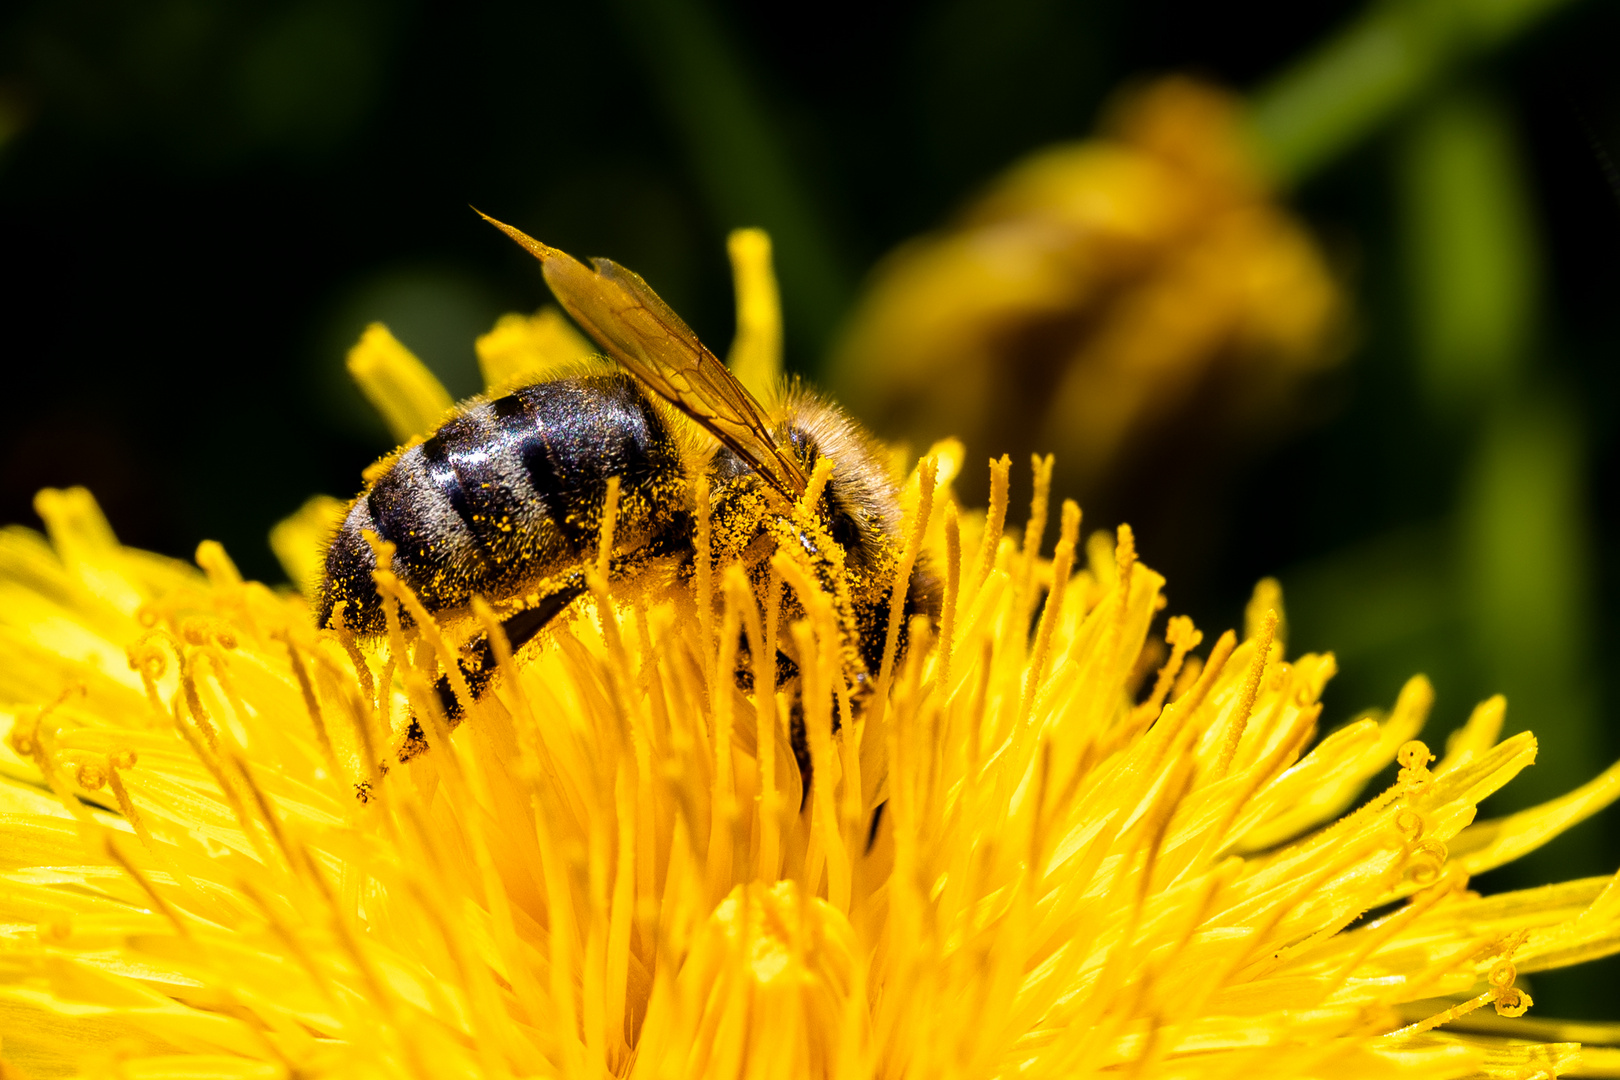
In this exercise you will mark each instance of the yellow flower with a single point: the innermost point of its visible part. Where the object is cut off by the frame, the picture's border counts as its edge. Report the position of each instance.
(1030, 855)
(1084, 301)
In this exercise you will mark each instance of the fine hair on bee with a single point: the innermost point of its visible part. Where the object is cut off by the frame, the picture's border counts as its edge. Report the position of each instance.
(505, 500)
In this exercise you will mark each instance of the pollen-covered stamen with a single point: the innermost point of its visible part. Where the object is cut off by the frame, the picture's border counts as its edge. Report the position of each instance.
(597, 582)
(168, 911)
(335, 681)
(723, 810)
(1509, 1000)
(338, 626)
(918, 518)
(1251, 690)
(501, 648)
(34, 739)
(120, 762)
(200, 734)
(1178, 717)
(195, 711)
(818, 643)
(1182, 637)
(201, 630)
(1414, 776)
(1035, 528)
(816, 487)
(1425, 858)
(1062, 562)
(1124, 565)
(953, 585)
(312, 705)
(703, 565)
(995, 520)
(147, 659)
(90, 775)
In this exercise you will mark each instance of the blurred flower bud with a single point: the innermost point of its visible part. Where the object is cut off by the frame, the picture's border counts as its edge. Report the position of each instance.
(1100, 295)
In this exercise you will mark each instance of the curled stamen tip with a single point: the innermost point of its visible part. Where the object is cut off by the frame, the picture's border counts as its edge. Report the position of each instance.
(1427, 862)
(1513, 1002)
(144, 655)
(1409, 822)
(1414, 755)
(1181, 631)
(200, 631)
(1423, 873)
(91, 777)
(21, 739)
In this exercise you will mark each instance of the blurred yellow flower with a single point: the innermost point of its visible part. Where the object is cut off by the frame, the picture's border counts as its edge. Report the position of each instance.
(1098, 294)
(1032, 855)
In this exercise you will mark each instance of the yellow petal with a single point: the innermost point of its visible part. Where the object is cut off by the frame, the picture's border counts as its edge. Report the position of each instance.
(410, 398)
(1489, 844)
(524, 349)
(756, 351)
(300, 540)
(1337, 792)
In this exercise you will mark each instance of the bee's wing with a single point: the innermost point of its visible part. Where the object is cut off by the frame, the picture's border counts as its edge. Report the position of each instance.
(640, 331)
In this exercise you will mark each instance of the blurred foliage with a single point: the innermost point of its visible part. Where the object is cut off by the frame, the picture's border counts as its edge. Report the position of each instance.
(204, 203)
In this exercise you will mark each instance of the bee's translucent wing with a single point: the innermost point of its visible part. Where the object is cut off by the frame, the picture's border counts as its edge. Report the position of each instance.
(640, 331)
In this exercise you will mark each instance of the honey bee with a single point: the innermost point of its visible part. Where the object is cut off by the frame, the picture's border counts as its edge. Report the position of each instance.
(505, 500)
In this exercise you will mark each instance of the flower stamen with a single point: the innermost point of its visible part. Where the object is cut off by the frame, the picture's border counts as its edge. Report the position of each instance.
(1251, 689)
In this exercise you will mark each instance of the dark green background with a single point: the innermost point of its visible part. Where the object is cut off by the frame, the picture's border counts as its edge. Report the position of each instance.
(201, 204)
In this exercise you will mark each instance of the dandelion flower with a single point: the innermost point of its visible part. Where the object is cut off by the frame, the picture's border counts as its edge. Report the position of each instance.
(1093, 292)
(1046, 848)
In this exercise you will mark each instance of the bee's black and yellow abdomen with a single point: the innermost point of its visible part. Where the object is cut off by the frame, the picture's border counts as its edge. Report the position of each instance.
(507, 493)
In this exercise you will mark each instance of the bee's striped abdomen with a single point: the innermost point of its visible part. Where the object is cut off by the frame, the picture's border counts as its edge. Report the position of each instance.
(509, 492)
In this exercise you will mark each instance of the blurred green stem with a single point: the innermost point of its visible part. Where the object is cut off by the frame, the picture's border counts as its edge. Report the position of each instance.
(1522, 539)
(1472, 268)
(1379, 64)
(1526, 574)
(741, 163)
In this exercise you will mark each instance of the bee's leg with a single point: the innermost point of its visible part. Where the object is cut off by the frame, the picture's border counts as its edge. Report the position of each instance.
(480, 666)
(798, 737)
(877, 821)
(801, 753)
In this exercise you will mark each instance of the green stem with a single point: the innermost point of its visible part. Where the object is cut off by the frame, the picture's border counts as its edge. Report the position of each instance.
(1388, 57)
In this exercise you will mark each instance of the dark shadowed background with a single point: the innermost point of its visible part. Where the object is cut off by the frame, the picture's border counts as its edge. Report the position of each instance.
(202, 203)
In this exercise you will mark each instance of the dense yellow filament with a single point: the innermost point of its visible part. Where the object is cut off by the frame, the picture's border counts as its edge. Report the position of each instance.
(604, 870)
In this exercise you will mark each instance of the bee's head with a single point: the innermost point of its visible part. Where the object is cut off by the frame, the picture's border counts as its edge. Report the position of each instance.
(860, 506)
(860, 509)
